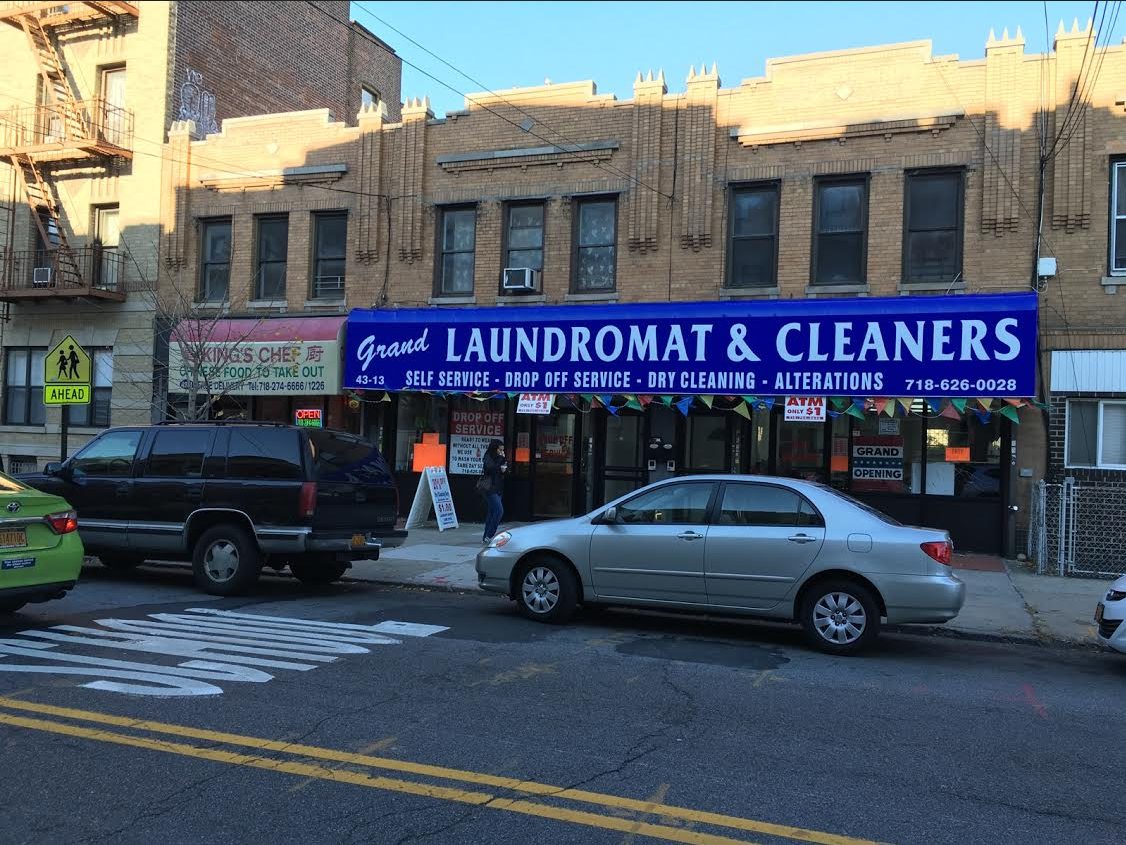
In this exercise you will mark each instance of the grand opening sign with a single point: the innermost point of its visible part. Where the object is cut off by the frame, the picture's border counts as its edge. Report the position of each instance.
(969, 345)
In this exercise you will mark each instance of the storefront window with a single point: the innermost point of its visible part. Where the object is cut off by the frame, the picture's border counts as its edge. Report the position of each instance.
(838, 460)
(760, 442)
(707, 443)
(886, 454)
(964, 457)
(418, 414)
(801, 450)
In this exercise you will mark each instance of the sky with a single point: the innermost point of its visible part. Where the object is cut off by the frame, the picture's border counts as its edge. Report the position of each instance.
(511, 44)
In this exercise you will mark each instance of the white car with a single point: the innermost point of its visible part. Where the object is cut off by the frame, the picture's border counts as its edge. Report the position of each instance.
(1110, 614)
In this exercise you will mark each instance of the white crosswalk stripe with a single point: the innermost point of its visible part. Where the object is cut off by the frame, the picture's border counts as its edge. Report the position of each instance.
(220, 646)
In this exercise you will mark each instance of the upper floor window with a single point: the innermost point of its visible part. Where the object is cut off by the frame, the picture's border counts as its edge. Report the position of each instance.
(270, 256)
(369, 98)
(932, 240)
(840, 231)
(596, 245)
(330, 245)
(23, 386)
(752, 254)
(457, 246)
(107, 238)
(1118, 217)
(215, 261)
(523, 236)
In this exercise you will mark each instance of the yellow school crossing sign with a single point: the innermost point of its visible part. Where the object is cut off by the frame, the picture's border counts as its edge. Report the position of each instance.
(67, 376)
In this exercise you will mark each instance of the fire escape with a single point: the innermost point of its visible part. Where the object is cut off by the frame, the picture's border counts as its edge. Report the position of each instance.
(59, 132)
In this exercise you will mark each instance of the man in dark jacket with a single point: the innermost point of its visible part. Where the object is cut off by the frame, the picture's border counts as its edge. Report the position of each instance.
(491, 486)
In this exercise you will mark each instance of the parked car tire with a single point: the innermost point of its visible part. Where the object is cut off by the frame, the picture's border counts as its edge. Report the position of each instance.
(121, 563)
(840, 616)
(10, 605)
(315, 573)
(226, 560)
(547, 590)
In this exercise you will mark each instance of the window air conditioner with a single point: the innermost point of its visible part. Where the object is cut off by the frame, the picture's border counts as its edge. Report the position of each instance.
(41, 277)
(520, 278)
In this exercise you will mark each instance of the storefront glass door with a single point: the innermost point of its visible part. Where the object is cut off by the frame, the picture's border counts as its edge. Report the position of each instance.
(553, 483)
(621, 459)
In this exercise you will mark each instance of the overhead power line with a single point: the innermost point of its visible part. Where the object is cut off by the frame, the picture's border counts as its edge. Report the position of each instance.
(522, 127)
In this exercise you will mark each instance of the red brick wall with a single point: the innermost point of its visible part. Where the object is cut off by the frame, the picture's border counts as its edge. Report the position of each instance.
(258, 58)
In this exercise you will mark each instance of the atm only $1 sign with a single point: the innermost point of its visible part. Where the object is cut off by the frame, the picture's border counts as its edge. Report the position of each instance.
(805, 409)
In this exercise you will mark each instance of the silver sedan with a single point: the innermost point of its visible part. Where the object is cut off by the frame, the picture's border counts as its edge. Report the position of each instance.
(749, 545)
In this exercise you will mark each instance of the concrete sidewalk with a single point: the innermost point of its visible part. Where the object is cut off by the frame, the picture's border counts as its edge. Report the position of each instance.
(1005, 600)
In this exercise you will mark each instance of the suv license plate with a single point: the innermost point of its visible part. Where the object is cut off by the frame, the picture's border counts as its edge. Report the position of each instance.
(359, 540)
(18, 563)
(12, 537)
(1099, 613)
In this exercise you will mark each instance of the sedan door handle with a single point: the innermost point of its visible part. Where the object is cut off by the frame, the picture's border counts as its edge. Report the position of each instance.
(690, 535)
(802, 538)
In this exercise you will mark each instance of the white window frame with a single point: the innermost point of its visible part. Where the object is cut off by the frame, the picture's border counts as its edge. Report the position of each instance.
(1102, 403)
(1115, 216)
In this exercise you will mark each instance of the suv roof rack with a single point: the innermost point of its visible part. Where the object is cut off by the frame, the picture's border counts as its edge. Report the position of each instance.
(223, 422)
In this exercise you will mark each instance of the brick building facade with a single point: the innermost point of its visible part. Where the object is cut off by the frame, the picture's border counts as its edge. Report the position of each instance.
(86, 110)
(869, 173)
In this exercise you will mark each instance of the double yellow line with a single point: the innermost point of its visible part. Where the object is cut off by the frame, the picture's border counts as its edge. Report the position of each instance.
(555, 802)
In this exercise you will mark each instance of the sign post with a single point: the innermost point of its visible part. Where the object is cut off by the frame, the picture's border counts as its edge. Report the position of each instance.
(67, 378)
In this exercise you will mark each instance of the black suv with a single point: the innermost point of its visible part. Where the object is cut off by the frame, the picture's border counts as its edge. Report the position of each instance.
(230, 497)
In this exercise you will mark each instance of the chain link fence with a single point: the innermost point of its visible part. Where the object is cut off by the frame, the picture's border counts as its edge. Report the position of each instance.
(1078, 529)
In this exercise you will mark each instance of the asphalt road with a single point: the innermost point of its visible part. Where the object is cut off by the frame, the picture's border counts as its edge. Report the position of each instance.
(469, 724)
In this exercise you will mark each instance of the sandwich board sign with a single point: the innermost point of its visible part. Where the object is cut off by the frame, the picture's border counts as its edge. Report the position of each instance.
(67, 374)
(433, 492)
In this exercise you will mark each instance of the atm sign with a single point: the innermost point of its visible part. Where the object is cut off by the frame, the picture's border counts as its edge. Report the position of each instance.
(309, 417)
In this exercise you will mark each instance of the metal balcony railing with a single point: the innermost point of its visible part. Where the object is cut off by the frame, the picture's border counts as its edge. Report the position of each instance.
(86, 271)
(87, 127)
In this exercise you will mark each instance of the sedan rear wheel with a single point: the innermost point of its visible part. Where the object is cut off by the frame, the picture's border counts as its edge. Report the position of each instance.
(547, 590)
(840, 617)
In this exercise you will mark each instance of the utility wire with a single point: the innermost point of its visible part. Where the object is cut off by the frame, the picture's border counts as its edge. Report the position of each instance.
(575, 153)
(363, 8)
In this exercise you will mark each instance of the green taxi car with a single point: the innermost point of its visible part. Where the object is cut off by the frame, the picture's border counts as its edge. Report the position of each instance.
(40, 551)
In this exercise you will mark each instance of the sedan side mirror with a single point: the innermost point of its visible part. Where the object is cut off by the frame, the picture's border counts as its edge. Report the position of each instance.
(608, 516)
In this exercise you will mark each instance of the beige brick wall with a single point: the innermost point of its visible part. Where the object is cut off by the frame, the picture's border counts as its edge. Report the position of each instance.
(880, 111)
(251, 57)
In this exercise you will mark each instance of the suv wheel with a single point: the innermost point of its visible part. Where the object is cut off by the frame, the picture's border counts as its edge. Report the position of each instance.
(316, 572)
(226, 560)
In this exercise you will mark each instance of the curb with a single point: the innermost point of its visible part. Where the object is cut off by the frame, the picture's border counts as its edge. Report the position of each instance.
(1003, 639)
(440, 588)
